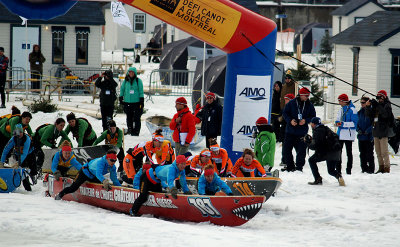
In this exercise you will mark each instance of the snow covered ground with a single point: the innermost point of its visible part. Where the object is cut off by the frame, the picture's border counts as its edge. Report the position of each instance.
(364, 213)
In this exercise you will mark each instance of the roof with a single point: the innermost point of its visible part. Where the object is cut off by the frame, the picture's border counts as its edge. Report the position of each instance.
(352, 6)
(371, 31)
(82, 13)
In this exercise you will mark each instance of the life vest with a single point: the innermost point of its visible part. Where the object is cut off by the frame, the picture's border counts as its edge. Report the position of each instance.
(8, 126)
(166, 145)
(37, 137)
(8, 116)
(128, 166)
(112, 139)
(65, 163)
(75, 130)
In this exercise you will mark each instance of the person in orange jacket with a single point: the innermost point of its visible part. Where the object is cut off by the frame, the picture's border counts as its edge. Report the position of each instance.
(183, 125)
(199, 162)
(219, 157)
(246, 165)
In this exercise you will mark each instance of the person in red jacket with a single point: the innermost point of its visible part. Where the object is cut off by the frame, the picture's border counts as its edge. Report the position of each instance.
(183, 125)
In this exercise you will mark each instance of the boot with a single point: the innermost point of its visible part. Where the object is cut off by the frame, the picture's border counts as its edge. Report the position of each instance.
(381, 169)
(386, 169)
(318, 181)
(341, 181)
(58, 197)
(26, 184)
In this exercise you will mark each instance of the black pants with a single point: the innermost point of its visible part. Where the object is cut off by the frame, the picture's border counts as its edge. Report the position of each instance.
(145, 187)
(208, 137)
(276, 126)
(106, 114)
(87, 142)
(293, 141)
(367, 161)
(79, 180)
(120, 157)
(331, 165)
(2, 88)
(36, 78)
(349, 152)
(133, 114)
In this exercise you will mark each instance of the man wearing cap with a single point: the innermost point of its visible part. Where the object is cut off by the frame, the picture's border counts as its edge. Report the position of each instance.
(183, 126)
(346, 122)
(107, 96)
(380, 112)
(64, 160)
(322, 142)
(297, 114)
(211, 118)
(264, 146)
(154, 176)
(3, 74)
(288, 97)
(23, 153)
(289, 87)
(94, 171)
(210, 183)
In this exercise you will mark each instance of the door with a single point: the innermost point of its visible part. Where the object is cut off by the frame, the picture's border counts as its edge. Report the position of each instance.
(21, 49)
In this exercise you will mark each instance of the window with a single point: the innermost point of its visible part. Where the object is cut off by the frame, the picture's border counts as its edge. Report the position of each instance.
(82, 38)
(58, 33)
(358, 19)
(395, 92)
(139, 23)
(356, 57)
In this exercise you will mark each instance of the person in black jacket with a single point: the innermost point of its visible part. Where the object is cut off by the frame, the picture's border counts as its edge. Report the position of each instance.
(211, 118)
(107, 96)
(326, 147)
(276, 110)
(153, 49)
(380, 111)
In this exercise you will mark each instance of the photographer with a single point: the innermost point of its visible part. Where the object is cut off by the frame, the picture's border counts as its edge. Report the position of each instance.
(107, 96)
(380, 111)
(327, 147)
(297, 114)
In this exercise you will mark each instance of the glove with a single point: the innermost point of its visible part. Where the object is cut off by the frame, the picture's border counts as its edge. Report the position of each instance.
(106, 185)
(121, 100)
(230, 194)
(141, 104)
(307, 139)
(57, 175)
(188, 193)
(174, 192)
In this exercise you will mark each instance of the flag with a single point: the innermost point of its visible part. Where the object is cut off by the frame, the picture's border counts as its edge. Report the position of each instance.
(23, 20)
(119, 14)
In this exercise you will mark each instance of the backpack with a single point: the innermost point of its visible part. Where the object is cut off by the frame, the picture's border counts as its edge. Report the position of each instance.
(332, 140)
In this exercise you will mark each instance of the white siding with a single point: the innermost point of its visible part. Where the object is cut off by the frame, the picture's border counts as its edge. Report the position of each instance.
(335, 24)
(384, 79)
(5, 38)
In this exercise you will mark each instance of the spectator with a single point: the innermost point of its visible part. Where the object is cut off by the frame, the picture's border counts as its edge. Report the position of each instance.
(153, 49)
(327, 147)
(265, 142)
(183, 126)
(107, 96)
(288, 97)
(365, 139)
(346, 122)
(381, 113)
(132, 98)
(276, 111)
(3, 76)
(297, 114)
(211, 118)
(36, 60)
(289, 87)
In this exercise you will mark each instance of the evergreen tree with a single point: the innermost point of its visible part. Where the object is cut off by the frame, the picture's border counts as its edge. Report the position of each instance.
(301, 73)
(326, 47)
(316, 96)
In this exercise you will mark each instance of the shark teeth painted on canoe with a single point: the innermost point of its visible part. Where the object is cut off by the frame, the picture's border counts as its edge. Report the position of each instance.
(247, 212)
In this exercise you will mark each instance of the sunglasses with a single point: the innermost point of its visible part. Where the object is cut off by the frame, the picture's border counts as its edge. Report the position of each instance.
(363, 102)
(113, 160)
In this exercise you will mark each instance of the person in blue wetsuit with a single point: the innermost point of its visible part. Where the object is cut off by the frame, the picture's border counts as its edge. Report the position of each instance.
(153, 179)
(20, 147)
(94, 171)
(64, 160)
(210, 183)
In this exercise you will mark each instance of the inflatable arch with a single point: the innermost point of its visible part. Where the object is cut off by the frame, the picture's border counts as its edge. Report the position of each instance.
(248, 38)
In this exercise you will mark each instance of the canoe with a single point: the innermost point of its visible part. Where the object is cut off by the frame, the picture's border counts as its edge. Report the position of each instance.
(161, 122)
(218, 210)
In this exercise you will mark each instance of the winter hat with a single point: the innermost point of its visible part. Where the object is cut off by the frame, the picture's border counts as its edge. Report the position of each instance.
(111, 156)
(304, 92)
(262, 121)
(209, 171)
(18, 129)
(214, 147)
(205, 153)
(210, 95)
(316, 120)
(158, 137)
(382, 93)
(181, 101)
(66, 149)
(288, 76)
(180, 159)
(289, 96)
(2, 49)
(343, 97)
(71, 116)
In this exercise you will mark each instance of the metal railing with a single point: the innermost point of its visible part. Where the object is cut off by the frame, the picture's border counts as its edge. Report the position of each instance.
(170, 82)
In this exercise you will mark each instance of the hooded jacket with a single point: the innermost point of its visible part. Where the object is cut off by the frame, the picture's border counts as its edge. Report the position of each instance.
(132, 88)
(186, 125)
(348, 117)
(108, 91)
(264, 147)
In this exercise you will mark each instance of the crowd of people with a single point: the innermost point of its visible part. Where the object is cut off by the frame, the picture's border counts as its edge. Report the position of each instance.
(155, 164)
